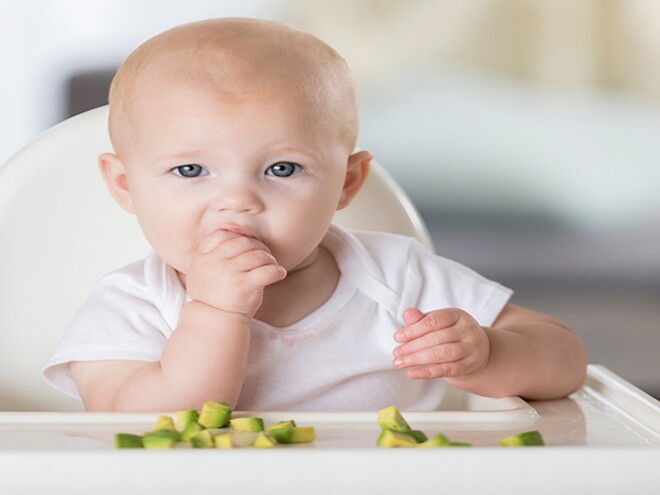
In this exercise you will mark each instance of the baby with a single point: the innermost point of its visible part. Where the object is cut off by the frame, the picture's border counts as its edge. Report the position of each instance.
(234, 145)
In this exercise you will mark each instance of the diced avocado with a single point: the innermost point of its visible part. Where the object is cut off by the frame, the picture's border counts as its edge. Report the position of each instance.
(160, 439)
(247, 424)
(190, 430)
(420, 436)
(223, 441)
(459, 444)
(303, 434)
(390, 418)
(164, 423)
(298, 434)
(438, 440)
(128, 441)
(202, 440)
(526, 439)
(263, 441)
(184, 418)
(214, 415)
(394, 438)
(289, 423)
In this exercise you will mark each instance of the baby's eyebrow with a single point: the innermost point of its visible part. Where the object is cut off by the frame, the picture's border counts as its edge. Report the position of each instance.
(291, 149)
(180, 156)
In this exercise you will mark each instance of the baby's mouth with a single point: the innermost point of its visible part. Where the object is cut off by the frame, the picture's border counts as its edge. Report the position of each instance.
(235, 229)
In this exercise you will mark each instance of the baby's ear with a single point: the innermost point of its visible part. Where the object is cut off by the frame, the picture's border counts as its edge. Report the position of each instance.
(356, 173)
(114, 175)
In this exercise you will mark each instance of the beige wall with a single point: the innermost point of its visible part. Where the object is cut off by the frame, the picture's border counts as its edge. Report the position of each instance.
(572, 43)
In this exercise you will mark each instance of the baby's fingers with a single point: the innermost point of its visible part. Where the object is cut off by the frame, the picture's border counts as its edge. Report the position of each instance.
(435, 320)
(266, 275)
(444, 370)
(441, 354)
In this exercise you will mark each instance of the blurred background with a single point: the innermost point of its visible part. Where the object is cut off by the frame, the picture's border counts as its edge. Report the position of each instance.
(526, 131)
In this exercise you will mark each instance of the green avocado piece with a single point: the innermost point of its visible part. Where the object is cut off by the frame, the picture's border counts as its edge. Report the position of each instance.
(184, 418)
(459, 444)
(390, 418)
(160, 439)
(420, 436)
(164, 423)
(297, 434)
(247, 424)
(526, 439)
(223, 441)
(289, 423)
(438, 440)
(190, 430)
(128, 441)
(214, 415)
(394, 438)
(202, 440)
(263, 441)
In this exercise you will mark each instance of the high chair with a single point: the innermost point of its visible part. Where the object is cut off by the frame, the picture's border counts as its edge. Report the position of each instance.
(60, 231)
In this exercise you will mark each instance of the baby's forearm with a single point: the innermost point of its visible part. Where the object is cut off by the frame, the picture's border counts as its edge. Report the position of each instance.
(534, 357)
(203, 360)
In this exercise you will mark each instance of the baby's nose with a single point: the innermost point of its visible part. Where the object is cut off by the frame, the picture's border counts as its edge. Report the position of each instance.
(239, 198)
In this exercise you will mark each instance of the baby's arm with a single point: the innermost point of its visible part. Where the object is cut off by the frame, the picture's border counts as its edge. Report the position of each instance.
(524, 352)
(205, 357)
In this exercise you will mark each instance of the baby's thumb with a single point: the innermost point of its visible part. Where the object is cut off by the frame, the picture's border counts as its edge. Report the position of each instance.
(412, 315)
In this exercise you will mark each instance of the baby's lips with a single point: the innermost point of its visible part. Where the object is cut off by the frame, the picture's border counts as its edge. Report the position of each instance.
(239, 231)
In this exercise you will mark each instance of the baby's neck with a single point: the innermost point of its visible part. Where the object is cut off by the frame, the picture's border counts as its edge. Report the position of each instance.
(302, 292)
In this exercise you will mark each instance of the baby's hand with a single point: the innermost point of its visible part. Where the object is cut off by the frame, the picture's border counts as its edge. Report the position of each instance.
(230, 271)
(445, 343)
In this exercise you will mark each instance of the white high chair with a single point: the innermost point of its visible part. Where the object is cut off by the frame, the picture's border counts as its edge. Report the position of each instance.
(60, 231)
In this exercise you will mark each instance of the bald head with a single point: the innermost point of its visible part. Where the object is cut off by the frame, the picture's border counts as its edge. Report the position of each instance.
(234, 58)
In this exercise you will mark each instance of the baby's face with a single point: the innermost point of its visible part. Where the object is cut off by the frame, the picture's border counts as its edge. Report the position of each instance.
(254, 163)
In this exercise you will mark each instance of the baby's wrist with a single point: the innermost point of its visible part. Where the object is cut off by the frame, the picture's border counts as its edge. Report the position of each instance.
(200, 309)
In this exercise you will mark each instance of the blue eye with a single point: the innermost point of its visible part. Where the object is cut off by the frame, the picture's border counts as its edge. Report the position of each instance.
(283, 169)
(189, 171)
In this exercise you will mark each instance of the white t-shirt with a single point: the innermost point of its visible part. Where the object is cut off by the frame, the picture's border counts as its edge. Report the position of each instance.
(337, 358)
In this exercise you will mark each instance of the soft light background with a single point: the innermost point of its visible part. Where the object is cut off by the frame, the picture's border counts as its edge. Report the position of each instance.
(526, 131)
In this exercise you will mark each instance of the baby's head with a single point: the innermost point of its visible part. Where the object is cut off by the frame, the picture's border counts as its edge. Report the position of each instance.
(236, 124)
(237, 59)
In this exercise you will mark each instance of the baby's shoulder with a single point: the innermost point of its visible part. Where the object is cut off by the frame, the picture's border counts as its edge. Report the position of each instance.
(388, 246)
(149, 275)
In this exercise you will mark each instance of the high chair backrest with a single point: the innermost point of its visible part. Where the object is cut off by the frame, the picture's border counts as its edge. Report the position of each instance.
(60, 231)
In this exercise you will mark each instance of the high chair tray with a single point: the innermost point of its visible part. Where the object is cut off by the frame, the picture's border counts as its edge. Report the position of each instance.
(607, 423)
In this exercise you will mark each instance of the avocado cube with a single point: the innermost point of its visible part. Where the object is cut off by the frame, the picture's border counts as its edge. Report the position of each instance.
(394, 438)
(223, 441)
(298, 434)
(160, 439)
(184, 418)
(390, 418)
(190, 430)
(247, 424)
(164, 423)
(128, 441)
(263, 441)
(214, 415)
(438, 440)
(526, 439)
(202, 440)
(418, 435)
(459, 444)
(283, 424)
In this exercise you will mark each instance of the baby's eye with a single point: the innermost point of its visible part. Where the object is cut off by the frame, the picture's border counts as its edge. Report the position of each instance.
(190, 170)
(283, 169)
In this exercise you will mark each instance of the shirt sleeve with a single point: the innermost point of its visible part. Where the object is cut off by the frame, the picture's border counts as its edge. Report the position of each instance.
(119, 321)
(432, 282)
